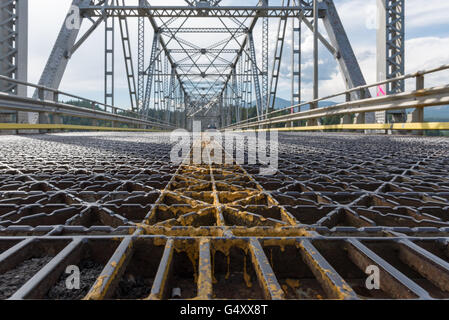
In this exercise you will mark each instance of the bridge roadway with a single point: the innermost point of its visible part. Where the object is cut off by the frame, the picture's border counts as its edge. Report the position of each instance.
(338, 204)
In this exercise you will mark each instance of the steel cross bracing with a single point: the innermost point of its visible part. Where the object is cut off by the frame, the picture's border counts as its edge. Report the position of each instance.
(143, 226)
(391, 54)
(395, 44)
(10, 43)
(141, 63)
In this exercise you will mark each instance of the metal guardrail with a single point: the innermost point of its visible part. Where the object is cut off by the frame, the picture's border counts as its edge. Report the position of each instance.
(41, 104)
(419, 98)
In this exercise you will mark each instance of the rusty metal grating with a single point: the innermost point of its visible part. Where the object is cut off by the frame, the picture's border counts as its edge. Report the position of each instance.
(138, 226)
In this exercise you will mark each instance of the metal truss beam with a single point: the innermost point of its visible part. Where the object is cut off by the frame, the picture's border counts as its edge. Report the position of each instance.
(255, 73)
(14, 55)
(141, 63)
(203, 51)
(204, 30)
(192, 12)
(265, 54)
(349, 66)
(296, 62)
(278, 52)
(204, 65)
(59, 57)
(153, 57)
(129, 65)
(14, 52)
(109, 61)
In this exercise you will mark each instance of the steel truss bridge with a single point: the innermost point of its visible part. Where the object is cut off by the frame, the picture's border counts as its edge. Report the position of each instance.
(224, 72)
(141, 227)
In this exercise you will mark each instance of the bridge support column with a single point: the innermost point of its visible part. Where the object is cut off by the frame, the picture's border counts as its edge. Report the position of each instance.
(390, 55)
(14, 54)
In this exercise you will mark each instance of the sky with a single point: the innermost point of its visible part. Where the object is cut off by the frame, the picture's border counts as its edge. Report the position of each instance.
(427, 46)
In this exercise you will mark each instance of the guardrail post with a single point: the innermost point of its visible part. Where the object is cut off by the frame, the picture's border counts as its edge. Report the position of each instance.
(57, 118)
(417, 115)
(41, 93)
(312, 122)
(346, 119)
(44, 117)
(360, 118)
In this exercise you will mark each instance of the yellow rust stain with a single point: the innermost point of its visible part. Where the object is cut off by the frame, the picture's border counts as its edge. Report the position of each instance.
(228, 267)
(293, 283)
(95, 291)
(246, 275)
(191, 249)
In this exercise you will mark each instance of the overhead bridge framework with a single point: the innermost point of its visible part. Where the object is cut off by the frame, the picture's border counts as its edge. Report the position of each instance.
(224, 71)
(223, 76)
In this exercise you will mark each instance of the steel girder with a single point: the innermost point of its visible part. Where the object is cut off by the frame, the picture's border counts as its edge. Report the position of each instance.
(109, 61)
(344, 54)
(141, 63)
(265, 52)
(13, 43)
(278, 53)
(193, 12)
(59, 57)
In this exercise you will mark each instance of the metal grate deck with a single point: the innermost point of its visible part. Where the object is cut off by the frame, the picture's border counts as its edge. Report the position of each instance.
(138, 226)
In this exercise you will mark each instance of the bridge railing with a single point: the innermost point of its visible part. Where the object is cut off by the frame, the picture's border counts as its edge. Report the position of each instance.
(417, 99)
(47, 100)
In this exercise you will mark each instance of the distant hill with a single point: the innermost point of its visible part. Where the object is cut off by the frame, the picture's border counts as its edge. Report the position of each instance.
(437, 114)
(282, 104)
(430, 114)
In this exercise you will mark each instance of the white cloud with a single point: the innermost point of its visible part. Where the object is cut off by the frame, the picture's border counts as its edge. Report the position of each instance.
(429, 13)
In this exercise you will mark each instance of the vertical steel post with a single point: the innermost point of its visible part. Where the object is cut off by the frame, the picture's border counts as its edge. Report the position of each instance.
(265, 53)
(282, 27)
(14, 53)
(315, 52)
(390, 53)
(140, 62)
(109, 61)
